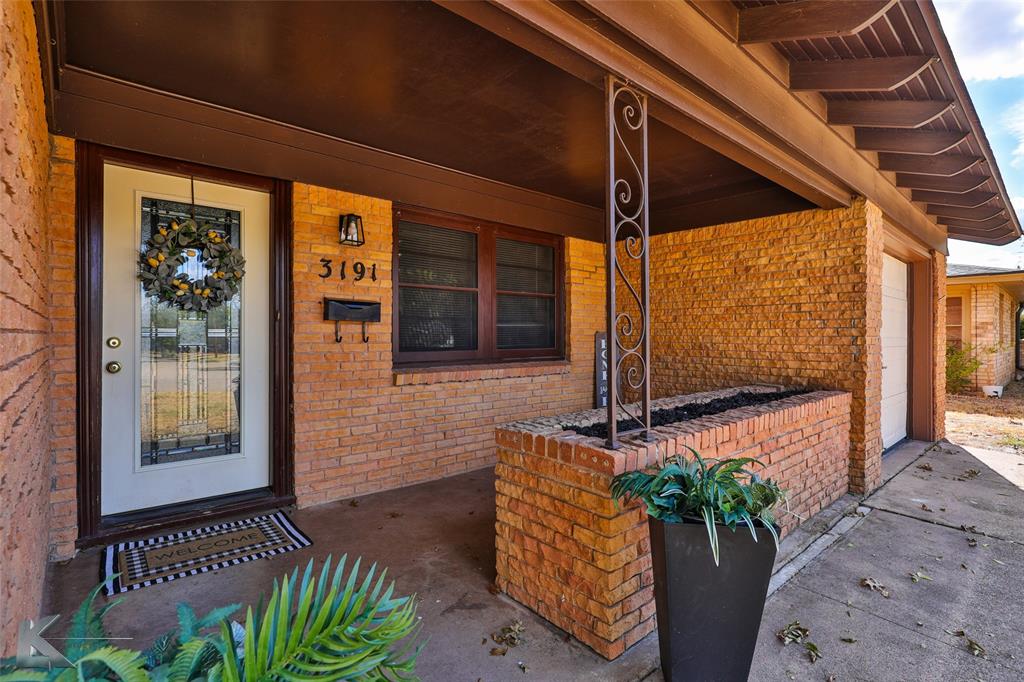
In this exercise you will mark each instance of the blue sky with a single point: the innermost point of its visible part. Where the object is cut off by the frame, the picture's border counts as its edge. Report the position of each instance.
(987, 37)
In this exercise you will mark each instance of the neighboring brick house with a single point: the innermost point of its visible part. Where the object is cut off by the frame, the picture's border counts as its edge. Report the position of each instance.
(798, 212)
(983, 311)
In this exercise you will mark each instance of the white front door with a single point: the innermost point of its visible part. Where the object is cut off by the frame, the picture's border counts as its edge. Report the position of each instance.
(187, 415)
(895, 346)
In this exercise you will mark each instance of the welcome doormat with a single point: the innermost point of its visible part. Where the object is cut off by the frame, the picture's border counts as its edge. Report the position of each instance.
(131, 565)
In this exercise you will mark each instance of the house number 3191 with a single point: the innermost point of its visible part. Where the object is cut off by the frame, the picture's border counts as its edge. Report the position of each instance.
(359, 270)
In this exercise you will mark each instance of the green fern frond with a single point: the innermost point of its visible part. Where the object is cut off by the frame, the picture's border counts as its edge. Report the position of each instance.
(331, 627)
(86, 633)
(193, 659)
(128, 665)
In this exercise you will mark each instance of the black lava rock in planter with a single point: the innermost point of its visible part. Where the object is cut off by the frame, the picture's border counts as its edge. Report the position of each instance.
(708, 615)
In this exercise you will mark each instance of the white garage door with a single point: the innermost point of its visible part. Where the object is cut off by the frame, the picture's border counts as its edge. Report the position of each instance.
(894, 351)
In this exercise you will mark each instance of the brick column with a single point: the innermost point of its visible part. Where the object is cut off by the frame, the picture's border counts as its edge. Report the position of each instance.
(866, 423)
(793, 299)
(939, 344)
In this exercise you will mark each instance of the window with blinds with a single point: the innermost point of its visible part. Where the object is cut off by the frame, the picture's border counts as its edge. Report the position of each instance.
(955, 320)
(467, 290)
(525, 276)
(437, 293)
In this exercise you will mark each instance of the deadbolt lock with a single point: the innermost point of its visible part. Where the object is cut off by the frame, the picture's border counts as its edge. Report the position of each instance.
(114, 367)
(114, 342)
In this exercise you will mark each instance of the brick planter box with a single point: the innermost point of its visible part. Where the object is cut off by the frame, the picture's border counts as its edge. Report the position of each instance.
(566, 551)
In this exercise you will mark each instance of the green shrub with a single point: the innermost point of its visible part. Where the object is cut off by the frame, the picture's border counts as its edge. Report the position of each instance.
(961, 364)
(705, 491)
(330, 627)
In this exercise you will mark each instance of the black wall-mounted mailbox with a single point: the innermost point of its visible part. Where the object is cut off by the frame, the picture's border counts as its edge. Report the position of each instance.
(337, 310)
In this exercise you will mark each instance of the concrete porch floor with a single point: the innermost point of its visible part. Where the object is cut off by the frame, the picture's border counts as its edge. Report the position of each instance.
(437, 539)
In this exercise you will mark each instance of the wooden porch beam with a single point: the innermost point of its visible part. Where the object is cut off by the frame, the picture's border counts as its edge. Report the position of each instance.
(683, 36)
(990, 224)
(1009, 237)
(95, 108)
(808, 19)
(929, 142)
(945, 165)
(966, 199)
(872, 74)
(991, 232)
(957, 184)
(980, 214)
(997, 236)
(885, 113)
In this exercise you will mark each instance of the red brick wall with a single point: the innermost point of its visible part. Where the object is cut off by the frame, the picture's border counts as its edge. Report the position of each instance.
(792, 299)
(24, 324)
(360, 426)
(63, 498)
(989, 317)
(567, 551)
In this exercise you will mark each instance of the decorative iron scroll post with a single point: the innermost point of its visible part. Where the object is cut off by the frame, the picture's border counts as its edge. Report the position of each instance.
(627, 244)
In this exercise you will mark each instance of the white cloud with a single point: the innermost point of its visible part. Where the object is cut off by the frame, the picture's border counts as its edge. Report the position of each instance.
(987, 36)
(969, 253)
(1013, 119)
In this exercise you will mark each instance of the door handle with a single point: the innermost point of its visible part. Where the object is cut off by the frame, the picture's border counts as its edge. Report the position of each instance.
(113, 367)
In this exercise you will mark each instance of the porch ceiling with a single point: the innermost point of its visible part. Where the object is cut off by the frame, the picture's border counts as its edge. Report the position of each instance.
(412, 79)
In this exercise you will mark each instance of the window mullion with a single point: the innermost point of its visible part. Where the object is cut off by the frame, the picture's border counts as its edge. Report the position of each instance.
(487, 304)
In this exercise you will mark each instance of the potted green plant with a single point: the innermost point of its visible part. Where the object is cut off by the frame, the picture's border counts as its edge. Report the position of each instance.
(711, 572)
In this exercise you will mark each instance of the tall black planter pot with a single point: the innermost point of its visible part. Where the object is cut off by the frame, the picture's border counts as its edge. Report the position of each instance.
(708, 616)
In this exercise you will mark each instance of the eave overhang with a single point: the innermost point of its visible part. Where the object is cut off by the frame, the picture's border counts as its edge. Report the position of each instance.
(827, 121)
(887, 80)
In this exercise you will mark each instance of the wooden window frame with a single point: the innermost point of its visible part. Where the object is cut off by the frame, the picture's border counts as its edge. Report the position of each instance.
(487, 233)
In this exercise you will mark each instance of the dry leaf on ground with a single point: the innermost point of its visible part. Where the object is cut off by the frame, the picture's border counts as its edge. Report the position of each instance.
(510, 635)
(875, 586)
(794, 632)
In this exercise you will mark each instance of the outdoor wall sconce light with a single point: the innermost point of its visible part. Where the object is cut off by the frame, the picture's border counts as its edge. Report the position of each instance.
(339, 311)
(350, 230)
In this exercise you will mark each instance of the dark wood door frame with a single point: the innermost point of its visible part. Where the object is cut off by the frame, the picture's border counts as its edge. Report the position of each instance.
(93, 528)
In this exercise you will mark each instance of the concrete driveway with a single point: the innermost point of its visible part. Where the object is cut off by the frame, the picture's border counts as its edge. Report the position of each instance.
(952, 518)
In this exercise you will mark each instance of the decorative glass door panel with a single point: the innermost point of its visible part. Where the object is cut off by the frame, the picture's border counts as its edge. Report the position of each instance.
(190, 360)
(185, 392)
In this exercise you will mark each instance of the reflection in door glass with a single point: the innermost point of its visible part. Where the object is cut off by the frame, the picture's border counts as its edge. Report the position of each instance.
(191, 360)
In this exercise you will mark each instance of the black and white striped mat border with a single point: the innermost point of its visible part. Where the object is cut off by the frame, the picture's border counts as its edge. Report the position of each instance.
(112, 584)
